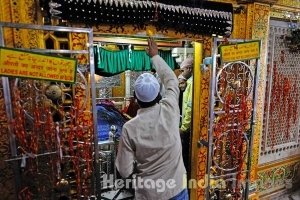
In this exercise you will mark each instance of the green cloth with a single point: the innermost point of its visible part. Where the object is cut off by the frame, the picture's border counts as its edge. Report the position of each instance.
(109, 63)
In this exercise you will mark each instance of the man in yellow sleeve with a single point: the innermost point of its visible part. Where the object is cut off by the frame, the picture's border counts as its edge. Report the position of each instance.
(186, 68)
(187, 72)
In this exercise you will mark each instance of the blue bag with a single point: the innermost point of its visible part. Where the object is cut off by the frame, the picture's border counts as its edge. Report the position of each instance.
(108, 115)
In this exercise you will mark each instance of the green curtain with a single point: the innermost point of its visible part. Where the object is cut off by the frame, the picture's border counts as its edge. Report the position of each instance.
(109, 63)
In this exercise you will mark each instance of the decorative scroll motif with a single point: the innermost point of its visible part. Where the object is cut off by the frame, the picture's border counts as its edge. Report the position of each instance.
(79, 42)
(259, 30)
(82, 127)
(261, 21)
(238, 77)
(204, 106)
(239, 30)
(207, 42)
(18, 43)
(33, 36)
(250, 21)
(140, 13)
(202, 155)
(275, 178)
(5, 8)
(24, 11)
(281, 118)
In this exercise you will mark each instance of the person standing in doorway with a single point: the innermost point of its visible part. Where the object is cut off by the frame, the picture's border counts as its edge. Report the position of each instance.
(182, 87)
(152, 139)
(186, 68)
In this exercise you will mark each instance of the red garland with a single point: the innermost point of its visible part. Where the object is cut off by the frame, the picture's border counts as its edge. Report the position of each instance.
(284, 105)
(19, 119)
(25, 194)
(235, 122)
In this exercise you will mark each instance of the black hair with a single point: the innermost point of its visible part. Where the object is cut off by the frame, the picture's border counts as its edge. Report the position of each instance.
(148, 104)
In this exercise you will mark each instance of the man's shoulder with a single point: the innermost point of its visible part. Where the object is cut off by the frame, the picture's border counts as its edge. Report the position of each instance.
(131, 123)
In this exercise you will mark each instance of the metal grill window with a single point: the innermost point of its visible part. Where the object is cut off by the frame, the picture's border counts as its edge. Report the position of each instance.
(280, 137)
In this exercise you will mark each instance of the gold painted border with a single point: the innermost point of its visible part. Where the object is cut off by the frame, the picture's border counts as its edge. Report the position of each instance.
(281, 163)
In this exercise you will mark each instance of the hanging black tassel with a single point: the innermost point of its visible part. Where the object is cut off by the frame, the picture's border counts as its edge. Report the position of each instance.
(208, 18)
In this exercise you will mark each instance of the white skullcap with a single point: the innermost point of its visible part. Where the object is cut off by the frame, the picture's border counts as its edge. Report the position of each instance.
(181, 77)
(187, 62)
(146, 87)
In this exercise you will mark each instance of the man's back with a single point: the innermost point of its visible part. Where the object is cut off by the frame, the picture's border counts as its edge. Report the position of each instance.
(152, 140)
(157, 144)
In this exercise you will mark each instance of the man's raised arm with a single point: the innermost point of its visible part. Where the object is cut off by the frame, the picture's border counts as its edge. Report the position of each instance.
(167, 76)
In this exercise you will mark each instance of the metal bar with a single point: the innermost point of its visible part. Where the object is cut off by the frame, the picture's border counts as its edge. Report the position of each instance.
(211, 115)
(74, 129)
(229, 174)
(106, 142)
(202, 143)
(127, 84)
(44, 27)
(63, 51)
(252, 127)
(9, 115)
(223, 112)
(111, 98)
(96, 179)
(8, 106)
(33, 156)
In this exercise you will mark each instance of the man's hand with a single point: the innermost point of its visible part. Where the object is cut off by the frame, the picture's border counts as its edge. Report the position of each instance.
(152, 49)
